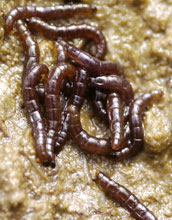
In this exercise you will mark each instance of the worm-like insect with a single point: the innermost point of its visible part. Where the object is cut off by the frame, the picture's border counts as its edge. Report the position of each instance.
(114, 84)
(70, 32)
(90, 143)
(76, 99)
(84, 140)
(92, 64)
(122, 195)
(30, 45)
(46, 13)
(66, 87)
(52, 102)
(116, 120)
(30, 78)
(135, 120)
(34, 110)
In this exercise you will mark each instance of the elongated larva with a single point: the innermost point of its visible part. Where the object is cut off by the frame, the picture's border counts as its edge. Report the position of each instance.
(135, 120)
(122, 195)
(52, 102)
(82, 138)
(92, 64)
(46, 13)
(69, 32)
(76, 99)
(34, 110)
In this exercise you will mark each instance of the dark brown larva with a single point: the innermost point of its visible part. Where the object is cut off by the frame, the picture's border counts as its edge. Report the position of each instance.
(135, 116)
(66, 87)
(116, 120)
(84, 140)
(135, 120)
(46, 13)
(30, 45)
(76, 99)
(34, 110)
(69, 32)
(122, 195)
(92, 64)
(114, 84)
(52, 102)
(31, 75)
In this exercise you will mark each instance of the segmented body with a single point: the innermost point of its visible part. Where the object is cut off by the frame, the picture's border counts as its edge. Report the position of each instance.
(66, 87)
(82, 138)
(76, 99)
(116, 120)
(79, 88)
(31, 75)
(97, 96)
(115, 84)
(34, 110)
(122, 195)
(70, 32)
(61, 53)
(135, 120)
(46, 13)
(63, 130)
(30, 45)
(92, 64)
(52, 102)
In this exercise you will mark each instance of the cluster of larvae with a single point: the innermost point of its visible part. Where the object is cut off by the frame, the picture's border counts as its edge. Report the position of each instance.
(79, 74)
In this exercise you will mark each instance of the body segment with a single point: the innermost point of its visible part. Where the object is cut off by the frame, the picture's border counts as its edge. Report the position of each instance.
(116, 120)
(69, 32)
(135, 121)
(122, 195)
(46, 13)
(52, 102)
(92, 64)
(34, 110)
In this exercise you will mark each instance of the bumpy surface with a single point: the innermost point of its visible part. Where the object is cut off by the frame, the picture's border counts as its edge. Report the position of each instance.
(138, 33)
